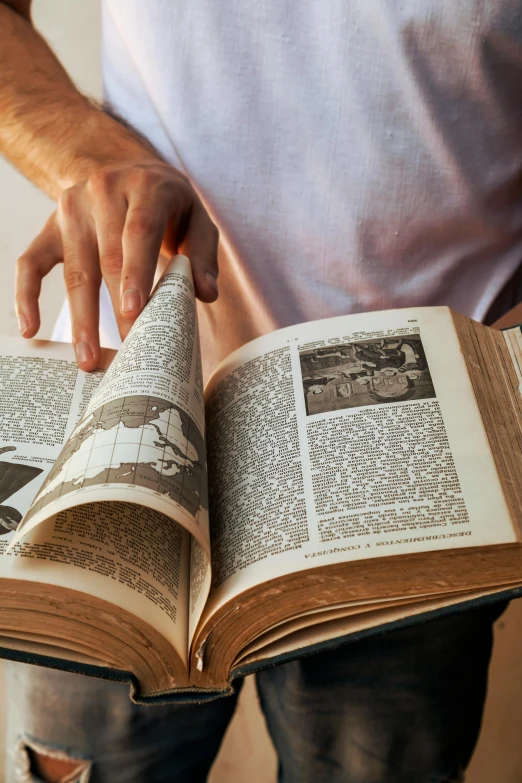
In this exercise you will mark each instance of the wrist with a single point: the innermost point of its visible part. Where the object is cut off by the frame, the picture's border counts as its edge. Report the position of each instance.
(100, 142)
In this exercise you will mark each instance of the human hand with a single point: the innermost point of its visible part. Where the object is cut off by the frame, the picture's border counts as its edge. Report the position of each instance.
(113, 225)
(512, 318)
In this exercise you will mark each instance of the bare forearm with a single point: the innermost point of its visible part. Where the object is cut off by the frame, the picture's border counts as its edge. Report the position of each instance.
(119, 203)
(48, 129)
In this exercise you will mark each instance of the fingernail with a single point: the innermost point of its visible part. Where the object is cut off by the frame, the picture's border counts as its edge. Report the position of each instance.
(211, 279)
(131, 300)
(83, 353)
(23, 324)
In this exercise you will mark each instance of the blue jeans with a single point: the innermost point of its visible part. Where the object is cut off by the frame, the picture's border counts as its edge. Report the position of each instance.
(403, 707)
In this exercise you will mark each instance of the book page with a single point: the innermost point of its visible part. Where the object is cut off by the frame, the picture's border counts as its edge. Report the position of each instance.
(350, 438)
(314, 633)
(142, 437)
(134, 557)
(43, 395)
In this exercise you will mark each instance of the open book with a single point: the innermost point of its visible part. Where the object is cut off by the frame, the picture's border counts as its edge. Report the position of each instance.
(361, 470)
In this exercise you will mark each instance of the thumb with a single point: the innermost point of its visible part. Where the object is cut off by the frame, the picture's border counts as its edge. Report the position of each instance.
(44, 252)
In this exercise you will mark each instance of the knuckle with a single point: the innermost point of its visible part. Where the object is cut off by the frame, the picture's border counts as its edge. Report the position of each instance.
(99, 184)
(111, 236)
(68, 201)
(141, 224)
(139, 178)
(75, 278)
(112, 260)
(152, 177)
(178, 177)
(183, 178)
(171, 182)
(179, 197)
(81, 328)
(184, 192)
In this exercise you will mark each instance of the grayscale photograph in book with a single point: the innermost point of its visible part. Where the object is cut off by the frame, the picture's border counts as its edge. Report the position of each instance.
(371, 372)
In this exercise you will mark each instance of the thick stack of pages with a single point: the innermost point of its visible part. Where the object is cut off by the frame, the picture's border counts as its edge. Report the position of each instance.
(363, 472)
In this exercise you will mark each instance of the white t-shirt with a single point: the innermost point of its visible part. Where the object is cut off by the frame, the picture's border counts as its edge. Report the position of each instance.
(355, 154)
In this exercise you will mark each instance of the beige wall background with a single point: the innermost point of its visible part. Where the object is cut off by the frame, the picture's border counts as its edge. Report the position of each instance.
(73, 29)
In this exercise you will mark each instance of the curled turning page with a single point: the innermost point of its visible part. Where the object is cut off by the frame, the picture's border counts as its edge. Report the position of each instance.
(141, 438)
(126, 566)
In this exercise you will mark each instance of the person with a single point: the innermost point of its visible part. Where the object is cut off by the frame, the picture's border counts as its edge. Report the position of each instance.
(333, 157)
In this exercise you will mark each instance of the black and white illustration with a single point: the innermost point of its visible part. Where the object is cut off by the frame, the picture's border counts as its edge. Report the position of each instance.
(141, 441)
(370, 372)
(13, 477)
